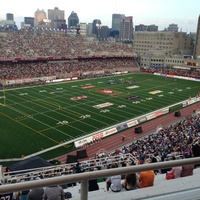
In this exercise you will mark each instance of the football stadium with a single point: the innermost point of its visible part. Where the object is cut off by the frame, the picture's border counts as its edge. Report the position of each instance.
(62, 112)
(83, 117)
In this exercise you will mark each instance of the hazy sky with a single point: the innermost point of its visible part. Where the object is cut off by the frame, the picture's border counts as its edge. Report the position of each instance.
(159, 12)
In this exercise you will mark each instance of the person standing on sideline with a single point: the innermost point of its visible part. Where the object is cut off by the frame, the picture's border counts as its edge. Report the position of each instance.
(123, 137)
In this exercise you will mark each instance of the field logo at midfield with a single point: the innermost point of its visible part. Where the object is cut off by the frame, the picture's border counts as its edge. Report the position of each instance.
(103, 105)
(78, 98)
(109, 91)
(133, 87)
(155, 92)
(88, 86)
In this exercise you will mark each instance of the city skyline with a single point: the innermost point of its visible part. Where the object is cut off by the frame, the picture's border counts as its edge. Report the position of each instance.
(160, 13)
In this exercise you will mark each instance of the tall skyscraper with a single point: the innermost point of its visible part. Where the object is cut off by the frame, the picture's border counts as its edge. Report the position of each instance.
(126, 28)
(197, 45)
(57, 18)
(10, 16)
(40, 15)
(73, 20)
(96, 26)
(116, 20)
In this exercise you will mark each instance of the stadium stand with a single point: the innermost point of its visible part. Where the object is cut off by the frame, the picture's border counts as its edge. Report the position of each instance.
(59, 170)
(189, 72)
(12, 71)
(182, 188)
(42, 44)
(188, 128)
(30, 55)
(162, 189)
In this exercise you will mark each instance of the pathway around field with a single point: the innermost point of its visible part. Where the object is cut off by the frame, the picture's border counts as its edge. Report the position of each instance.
(115, 141)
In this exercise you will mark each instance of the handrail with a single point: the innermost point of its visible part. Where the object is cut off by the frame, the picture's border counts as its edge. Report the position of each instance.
(92, 163)
(84, 177)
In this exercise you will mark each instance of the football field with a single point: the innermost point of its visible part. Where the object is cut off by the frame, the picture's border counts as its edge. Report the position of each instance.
(38, 117)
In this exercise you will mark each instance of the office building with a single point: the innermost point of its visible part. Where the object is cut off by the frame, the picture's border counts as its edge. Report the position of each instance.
(141, 27)
(197, 44)
(73, 20)
(126, 29)
(163, 42)
(82, 28)
(10, 16)
(96, 26)
(89, 29)
(7, 23)
(40, 16)
(152, 28)
(172, 28)
(147, 60)
(29, 20)
(57, 18)
(116, 20)
(104, 33)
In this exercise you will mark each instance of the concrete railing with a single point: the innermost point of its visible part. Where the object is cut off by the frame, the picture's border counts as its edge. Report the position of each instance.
(84, 177)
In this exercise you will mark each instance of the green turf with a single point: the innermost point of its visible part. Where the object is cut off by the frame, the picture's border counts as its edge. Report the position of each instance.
(40, 117)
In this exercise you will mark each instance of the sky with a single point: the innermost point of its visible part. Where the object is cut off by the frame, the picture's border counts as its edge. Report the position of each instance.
(185, 13)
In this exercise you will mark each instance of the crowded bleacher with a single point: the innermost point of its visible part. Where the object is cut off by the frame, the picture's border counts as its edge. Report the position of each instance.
(185, 72)
(49, 55)
(42, 44)
(10, 71)
(178, 141)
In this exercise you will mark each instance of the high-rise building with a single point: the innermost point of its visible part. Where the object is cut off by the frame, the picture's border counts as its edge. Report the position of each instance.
(126, 28)
(83, 28)
(89, 28)
(116, 20)
(152, 28)
(141, 27)
(162, 42)
(40, 15)
(73, 20)
(29, 20)
(197, 45)
(96, 26)
(57, 18)
(104, 32)
(10, 16)
(172, 28)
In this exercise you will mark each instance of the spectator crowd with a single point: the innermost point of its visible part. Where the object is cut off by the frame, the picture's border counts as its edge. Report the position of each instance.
(12, 71)
(186, 72)
(177, 141)
(33, 45)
